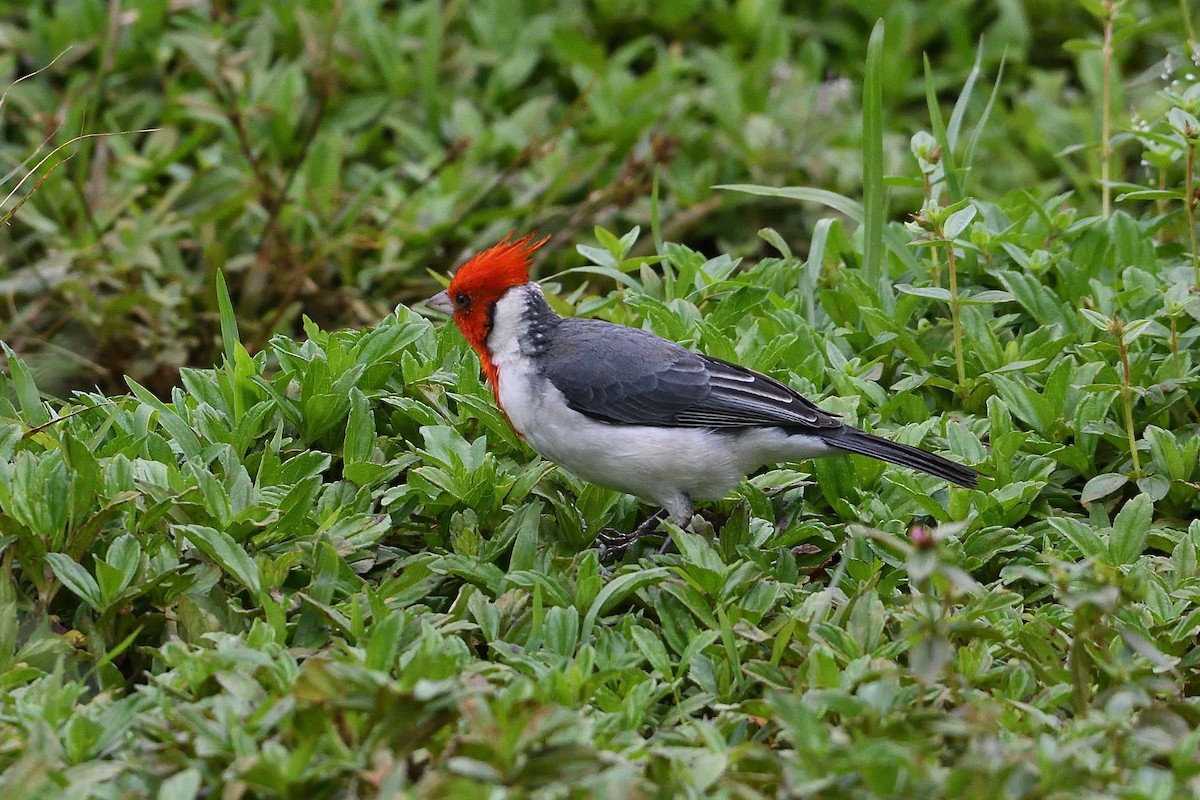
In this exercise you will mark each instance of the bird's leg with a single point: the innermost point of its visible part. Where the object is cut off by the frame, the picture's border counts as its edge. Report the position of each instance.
(680, 509)
(617, 543)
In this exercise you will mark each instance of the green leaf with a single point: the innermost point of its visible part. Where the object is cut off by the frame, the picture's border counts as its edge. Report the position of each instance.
(954, 127)
(957, 222)
(838, 202)
(1166, 451)
(1026, 402)
(1130, 529)
(183, 785)
(1102, 486)
(527, 521)
(222, 550)
(1098, 320)
(72, 575)
(949, 167)
(608, 241)
(179, 429)
(932, 292)
(850, 208)
(652, 648)
(1036, 298)
(986, 297)
(123, 558)
(773, 238)
(608, 272)
(32, 408)
(1183, 122)
(1083, 536)
(598, 256)
(617, 590)
(1150, 194)
(628, 240)
(1153, 486)
(968, 159)
(359, 445)
(312, 629)
(229, 328)
(815, 265)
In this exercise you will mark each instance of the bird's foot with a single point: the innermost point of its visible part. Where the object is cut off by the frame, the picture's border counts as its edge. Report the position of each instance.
(614, 543)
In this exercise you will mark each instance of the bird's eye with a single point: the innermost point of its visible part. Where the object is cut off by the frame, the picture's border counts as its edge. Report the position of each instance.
(462, 300)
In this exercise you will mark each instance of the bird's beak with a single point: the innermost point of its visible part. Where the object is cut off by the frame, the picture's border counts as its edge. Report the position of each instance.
(441, 302)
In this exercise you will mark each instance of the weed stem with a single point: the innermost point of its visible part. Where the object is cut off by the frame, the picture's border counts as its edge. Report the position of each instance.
(954, 322)
(1106, 112)
(1118, 329)
(1189, 207)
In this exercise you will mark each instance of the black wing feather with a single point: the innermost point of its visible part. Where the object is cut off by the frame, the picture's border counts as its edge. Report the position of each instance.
(625, 375)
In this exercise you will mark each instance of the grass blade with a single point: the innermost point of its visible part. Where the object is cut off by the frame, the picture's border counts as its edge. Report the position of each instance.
(229, 328)
(874, 200)
(953, 185)
(969, 155)
(964, 99)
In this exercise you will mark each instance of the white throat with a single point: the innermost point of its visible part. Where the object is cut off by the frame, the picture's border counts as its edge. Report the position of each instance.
(509, 324)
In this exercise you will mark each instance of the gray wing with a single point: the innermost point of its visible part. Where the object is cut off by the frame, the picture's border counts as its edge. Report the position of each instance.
(625, 375)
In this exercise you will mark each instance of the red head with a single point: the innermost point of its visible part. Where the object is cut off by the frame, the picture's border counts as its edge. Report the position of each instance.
(477, 286)
(482, 281)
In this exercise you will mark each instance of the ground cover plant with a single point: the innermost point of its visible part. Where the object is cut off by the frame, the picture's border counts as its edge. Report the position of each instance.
(326, 567)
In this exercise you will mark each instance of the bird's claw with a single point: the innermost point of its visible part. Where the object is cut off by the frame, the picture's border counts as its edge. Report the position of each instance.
(614, 543)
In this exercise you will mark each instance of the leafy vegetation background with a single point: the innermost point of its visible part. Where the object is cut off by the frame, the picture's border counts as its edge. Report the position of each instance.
(325, 567)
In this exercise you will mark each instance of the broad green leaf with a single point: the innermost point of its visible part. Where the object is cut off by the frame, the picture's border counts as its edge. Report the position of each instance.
(1102, 486)
(1166, 450)
(617, 590)
(179, 429)
(524, 552)
(220, 547)
(1082, 535)
(32, 408)
(360, 430)
(957, 222)
(183, 785)
(932, 292)
(1098, 320)
(598, 256)
(76, 578)
(1130, 529)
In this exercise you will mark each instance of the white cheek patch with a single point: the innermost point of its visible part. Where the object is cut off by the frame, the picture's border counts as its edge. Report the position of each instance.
(508, 324)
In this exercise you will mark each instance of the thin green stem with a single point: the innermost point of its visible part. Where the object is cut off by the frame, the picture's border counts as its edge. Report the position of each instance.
(1118, 329)
(954, 323)
(1189, 207)
(1161, 203)
(1175, 348)
(1080, 661)
(1179, 367)
(1106, 113)
(1187, 23)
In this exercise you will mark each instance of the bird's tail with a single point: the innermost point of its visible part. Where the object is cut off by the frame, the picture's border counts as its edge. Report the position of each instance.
(854, 440)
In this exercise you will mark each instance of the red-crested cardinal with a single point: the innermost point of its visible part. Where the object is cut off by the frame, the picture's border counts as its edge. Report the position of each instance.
(628, 410)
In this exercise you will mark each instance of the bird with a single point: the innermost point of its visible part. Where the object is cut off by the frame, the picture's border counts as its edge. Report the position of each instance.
(628, 410)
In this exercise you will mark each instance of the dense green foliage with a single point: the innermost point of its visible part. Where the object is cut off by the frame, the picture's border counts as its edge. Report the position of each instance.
(328, 568)
(326, 155)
